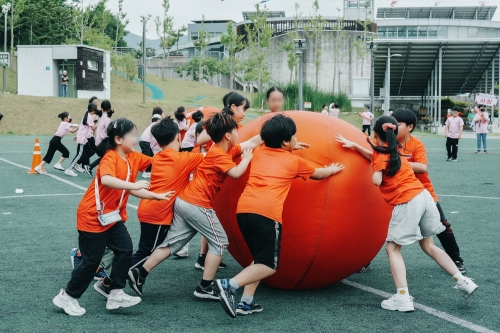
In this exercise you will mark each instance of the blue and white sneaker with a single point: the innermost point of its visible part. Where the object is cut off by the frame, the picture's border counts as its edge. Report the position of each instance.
(100, 274)
(102, 289)
(244, 309)
(226, 296)
(75, 256)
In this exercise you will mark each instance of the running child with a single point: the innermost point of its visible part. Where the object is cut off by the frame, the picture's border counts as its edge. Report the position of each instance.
(101, 130)
(275, 99)
(193, 208)
(56, 144)
(367, 119)
(101, 217)
(260, 207)
(147, 142)
(190, 138)
(414, 218)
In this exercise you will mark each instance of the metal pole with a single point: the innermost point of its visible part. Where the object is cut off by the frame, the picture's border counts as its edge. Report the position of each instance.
(440, 79)
(301, 101)
(388, 83)
(437, 116)
(5, 50)
(372, 83)
(493, 91)
(144, 20)
(431, 97)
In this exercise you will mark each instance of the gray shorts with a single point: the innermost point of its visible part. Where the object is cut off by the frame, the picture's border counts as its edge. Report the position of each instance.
(419, 218)
(190, 219)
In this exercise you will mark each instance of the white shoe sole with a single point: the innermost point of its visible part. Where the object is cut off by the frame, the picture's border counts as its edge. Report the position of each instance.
(206, 296)
(224, 300)
(198, 266)
(405, 308)
(115, 306)
(60, 169)
(240, 312)
(102, 293)
(57, 302)
(466, 294)
(182, 255)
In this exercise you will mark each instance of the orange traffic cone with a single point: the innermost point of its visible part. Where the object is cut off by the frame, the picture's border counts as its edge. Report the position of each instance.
(37, 157)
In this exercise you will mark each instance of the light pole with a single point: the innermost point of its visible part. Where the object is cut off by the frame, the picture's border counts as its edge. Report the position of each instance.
(144, 20)
(5, 10)
(300, 46)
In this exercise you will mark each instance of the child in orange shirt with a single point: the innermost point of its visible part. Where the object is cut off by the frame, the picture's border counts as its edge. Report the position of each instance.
(193, 208)
(414, 218)
(101, 216)
(260, 208)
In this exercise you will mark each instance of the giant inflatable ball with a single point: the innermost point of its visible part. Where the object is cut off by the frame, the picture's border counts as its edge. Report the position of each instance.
(331, 228)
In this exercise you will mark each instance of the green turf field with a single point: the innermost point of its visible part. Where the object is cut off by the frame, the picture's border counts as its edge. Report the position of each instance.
(37, 232)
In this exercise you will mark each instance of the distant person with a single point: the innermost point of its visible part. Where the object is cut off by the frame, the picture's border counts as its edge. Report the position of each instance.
(391, 112)
(190, 138)
(335, 111)
(367, 118)
(147, 142)
(64, 84)
(481, 120)
(453, 132)
(181, 120)
(275, 99)
(470, 118)
(324, 110)
(101, 130)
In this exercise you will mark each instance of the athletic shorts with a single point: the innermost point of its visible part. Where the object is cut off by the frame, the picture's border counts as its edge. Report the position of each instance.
(419, 218)
(190, 219)
(263, 237)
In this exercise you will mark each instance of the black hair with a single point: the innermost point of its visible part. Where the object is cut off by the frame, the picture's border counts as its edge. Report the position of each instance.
(98, 113)
(197, 116)
(165, 131)
(117, 128)
(456, 108)
(179, 113)
(278, 129)
(481, 106)
(199, 128)
(273, 89)
(336, 106)
(92, 99)
(247, 104)
(106, 105)
(220, 124)
(91, 107)
(157, 110)
(232, 98)
(324, 106)
(63, 115)
(367, 106)
(390, 137)
(405, 116)
(391, 109)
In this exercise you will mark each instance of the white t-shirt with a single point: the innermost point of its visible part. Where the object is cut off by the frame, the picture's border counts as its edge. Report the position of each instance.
(367, 117)
(334, 113)
(324, 112)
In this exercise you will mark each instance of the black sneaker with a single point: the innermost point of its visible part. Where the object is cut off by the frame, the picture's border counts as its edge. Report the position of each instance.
(477, 152)
(461, 267)
(206, 293)
(135, 281)
(449, 159)
(88, 170)
(200, 264)
(245, 309)
(486, 152)
(454, 159)
(226, 296)
(102, 289)
(365, 268)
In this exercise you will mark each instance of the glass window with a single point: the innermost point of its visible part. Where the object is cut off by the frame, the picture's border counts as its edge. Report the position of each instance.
(472, 32)
(92, 65)
(442, 32)
(462, 32)
(402, 33)
(412, 32)
(422, 32)
(392, 32)
(433, 30)
(194, 35)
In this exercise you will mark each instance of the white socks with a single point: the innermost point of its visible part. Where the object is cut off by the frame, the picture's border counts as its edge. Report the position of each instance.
(247, 299)
(458, 277)
(403, 292)
(233, 283)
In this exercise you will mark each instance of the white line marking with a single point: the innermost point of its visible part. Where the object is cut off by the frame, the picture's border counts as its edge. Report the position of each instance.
(429, 310)
(40, 195)
(16, 152)
(467, 196)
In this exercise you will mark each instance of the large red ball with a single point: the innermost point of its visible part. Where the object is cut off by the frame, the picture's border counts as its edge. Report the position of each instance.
(331, 228)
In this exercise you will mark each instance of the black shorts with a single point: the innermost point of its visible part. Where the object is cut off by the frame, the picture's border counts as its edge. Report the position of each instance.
(263, 237)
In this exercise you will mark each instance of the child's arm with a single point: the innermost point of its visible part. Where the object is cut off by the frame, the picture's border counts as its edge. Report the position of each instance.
(73, 130)
(239, 170)
(418, 167)
(118, 184)
(446, 130)
(366, 153)
(327, 171)
(145, 194)
(461, 130)
(252, 143)
(203, 138)
(377, 178)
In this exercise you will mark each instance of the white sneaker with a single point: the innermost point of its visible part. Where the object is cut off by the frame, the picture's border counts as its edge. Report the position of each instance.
(466, 286)
(70, 173)
(184, 252)
(398, 303)
(40, 170)
(79, 168)
(69, 304)
(59, 167)
(146, 175)
(118, 299)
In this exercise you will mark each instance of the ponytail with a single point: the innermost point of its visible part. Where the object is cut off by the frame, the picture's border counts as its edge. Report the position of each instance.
(232, 98)
(386, 128)
(118, 128)
(63, 115)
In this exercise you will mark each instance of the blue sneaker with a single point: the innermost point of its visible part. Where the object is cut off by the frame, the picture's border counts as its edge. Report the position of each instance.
(244, 309)
(100, 274)
(226, 296)
(102, 289)
(75, 256)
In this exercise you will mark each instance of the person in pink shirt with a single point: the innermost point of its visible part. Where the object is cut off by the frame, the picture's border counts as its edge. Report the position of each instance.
(85, 131)
(102, 128)
(190, 138)
(147, 142)
(56, 144)
(481, 120)
(453, 132)
(180, 118)
(367, 120)
(334, 110)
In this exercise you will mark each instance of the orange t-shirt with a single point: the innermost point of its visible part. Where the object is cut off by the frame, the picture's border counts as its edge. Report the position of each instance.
(415, 150)
(170, 172)
(111, 164)
(271, 175)
(401, 187)
(210, 175)
(210, 143)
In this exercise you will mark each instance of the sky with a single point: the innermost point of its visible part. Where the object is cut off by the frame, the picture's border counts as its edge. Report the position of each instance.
(185, 11)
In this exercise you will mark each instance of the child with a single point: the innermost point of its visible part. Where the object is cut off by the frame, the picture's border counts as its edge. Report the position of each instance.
(414, 150)
(453, 132)
(481, 120)
(56, 144)
(190, 137)
(367, 119)
(85, 131)
(260, 207)
(147, 142)
(181, 120)
(101, 216)
(414, 218)
(335, 111)
(324, 110)
(275, 99)
(193, 208)
(101, 131)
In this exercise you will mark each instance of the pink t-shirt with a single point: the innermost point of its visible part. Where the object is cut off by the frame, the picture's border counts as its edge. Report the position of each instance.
(85, 130)
(148, 137)
(324, 112)
(102, 128)
(189, 139)
(481, 127)
(183, 125)
(454, 124)
(367, 117)
(63, 129)
(334, 113)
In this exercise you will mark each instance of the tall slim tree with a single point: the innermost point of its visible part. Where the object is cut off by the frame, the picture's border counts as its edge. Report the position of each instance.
(289, 47)
(165, 31)
(121, 24)
(340, 39)
(314, 32)
(232, 43)
(201, 43)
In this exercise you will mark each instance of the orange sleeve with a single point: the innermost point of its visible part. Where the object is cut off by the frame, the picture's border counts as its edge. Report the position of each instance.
(142, 160)
(224, 163)
(235, 151)
(419, 154)
(379, 161)
(107, 166)
(304, 169)
(194, 160)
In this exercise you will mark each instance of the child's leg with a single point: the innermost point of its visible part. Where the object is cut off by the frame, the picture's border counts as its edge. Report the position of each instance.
(61, 160)
(397, 264)
(49, 155)
(107, 260)
(447, 238)
(484, 141)
(455, 148)
(478, 136)
(203, 246)
(151, 236)
(79, 153)
(439, 256)
(120, 243)
(448, 147)
(252, 275)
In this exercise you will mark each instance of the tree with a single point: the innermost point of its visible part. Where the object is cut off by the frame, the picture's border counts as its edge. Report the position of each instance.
(16, 10)
(122, 23)
(232, 43)
(130, 66)
(289, 47)
(178, 34)
(258, 40)
(192, 68)
(202, 43)
(360, 44)
(165, 30)
(340, 38)
(314, 32)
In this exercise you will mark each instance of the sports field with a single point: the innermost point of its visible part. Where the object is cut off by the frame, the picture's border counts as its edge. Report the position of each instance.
(37, 232)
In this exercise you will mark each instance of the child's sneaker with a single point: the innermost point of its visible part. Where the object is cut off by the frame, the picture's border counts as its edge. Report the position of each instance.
(245, 309)
(102, 289)
(100, 274)
(461, 267)
(75, 257)
(398, 303)
(206, 293)
(226, 296)
(70, 173)
(88, 170)
(40, 170)
(118, 299)
(200, 263)
(69, 304)
(466, 286)
(59, 167)
(78, 168)
(184, 252)
(135, 281)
